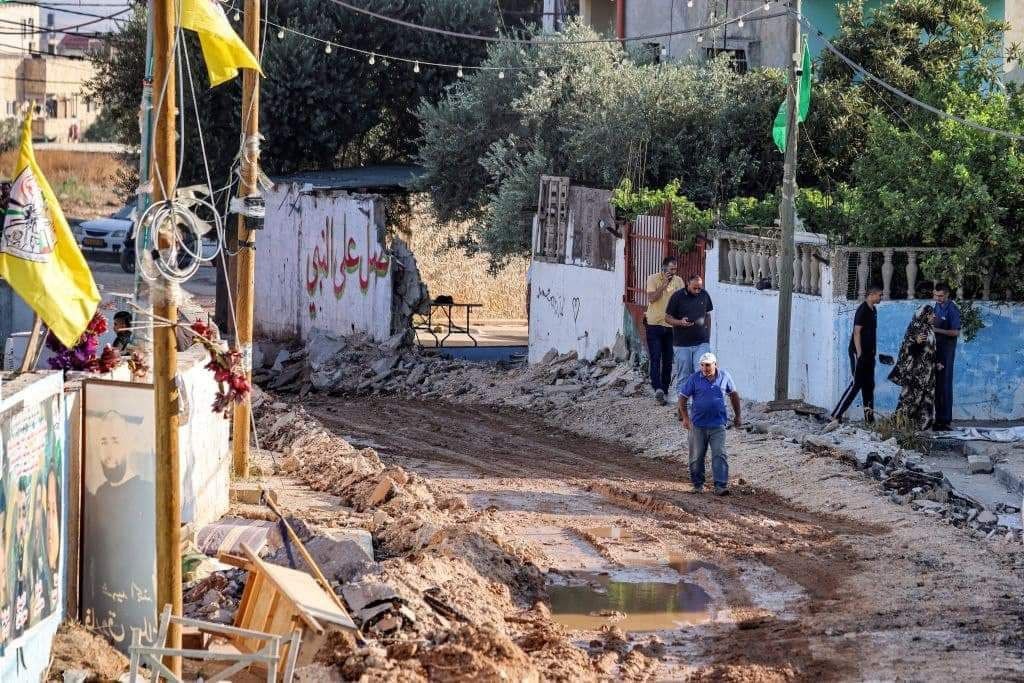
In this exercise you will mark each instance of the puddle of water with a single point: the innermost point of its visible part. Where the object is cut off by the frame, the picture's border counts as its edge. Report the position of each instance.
(616, 533)
(684, 565)
(647, 605)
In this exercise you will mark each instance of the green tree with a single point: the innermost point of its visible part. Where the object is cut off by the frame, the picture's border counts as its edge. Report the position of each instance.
(598, 115)
(317, 109)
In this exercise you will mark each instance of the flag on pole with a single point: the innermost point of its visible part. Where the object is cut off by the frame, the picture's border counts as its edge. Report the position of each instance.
(38, 253)
(225, 53)
(803, 98)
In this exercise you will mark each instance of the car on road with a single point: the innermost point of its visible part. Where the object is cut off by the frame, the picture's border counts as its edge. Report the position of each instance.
(105, 235)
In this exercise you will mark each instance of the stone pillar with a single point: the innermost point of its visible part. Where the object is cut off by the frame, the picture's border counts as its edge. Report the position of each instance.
(797, 270)
(805, 268)
(863, 270)
(730, 258)
(762, 261)
(887, 269)
(748, 256)
(911, 274)
(815, 270)
(986, 283)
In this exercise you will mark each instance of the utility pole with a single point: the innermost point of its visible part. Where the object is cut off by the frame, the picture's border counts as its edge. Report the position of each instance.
(165, 350)
(787, 247)
(246, 259)
(143, 337)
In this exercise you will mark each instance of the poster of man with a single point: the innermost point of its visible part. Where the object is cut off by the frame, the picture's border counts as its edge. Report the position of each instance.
(31, 467)
(118, 511)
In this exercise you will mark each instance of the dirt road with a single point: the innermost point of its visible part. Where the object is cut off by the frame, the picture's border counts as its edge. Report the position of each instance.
(804, 573)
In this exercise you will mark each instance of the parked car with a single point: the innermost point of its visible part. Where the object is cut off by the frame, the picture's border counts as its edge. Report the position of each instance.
(105, 235)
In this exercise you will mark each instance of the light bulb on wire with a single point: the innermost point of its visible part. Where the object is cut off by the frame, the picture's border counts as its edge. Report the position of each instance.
(328, 48)
(700, 37)
(767, 6)
(416, 68)
(501, 74)
(280, 34)
(459, 74)
(739, 23)
(689, 3)
(237, 16)
(373, 58)
(542, 73)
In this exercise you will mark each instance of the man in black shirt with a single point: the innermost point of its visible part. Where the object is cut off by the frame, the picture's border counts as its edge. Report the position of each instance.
(862, 360)
(689, 314)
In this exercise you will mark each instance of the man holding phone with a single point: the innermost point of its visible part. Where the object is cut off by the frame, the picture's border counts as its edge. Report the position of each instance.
(689, 314)
(660, 287)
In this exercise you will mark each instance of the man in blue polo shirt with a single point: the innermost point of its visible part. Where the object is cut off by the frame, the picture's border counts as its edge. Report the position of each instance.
(947, 329)
(707, 419)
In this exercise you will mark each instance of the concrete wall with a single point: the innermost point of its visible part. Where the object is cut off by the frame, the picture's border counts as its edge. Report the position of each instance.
(321, 264)
(988, 373)
(574, 308)
(744, 330)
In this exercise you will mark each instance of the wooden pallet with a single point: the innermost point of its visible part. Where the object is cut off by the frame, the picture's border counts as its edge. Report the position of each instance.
(278, 600)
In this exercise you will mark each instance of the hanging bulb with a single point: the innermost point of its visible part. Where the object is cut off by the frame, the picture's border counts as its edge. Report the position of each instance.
(237, 16)
(280, 34)
(623, 62)
(416, 68)
(700, 38)
(328, 48)
(459, 74)
(373, 58)
(740, 23)
(689, 3)
(767, 6)
(542, 73)
(664, 52)
(501, 74)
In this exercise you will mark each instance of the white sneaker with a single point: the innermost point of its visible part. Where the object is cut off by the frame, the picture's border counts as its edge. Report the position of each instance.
(831, 427)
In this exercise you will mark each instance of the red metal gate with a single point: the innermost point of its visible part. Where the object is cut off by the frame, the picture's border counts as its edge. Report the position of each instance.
(648, 241)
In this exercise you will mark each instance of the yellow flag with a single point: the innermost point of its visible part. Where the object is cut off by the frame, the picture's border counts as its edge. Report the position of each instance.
(225, 53)
(38, 253)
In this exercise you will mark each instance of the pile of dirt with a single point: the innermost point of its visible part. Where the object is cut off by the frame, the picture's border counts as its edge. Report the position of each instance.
(458, 574)
(77, 649)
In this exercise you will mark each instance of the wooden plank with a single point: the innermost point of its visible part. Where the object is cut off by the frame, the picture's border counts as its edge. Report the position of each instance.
(298, 587)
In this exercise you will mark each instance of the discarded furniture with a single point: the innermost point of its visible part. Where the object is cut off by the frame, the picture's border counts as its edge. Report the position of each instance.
(450, 310)
(279, 600)
(268, 651)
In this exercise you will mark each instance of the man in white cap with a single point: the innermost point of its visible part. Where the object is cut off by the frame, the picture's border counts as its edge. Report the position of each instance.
(707, 419)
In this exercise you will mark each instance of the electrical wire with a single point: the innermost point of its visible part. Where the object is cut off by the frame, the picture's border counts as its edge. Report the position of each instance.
(70, 30)
(864, 73)
(556, 43)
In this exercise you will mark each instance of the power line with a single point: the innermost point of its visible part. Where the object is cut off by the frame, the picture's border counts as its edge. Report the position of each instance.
(557, 43)
(57, 8)
(39, 52)
(63, 29)
(896, 91)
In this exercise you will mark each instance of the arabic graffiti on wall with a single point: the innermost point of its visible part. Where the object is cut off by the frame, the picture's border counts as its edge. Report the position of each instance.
(330, 264)
(30, 514)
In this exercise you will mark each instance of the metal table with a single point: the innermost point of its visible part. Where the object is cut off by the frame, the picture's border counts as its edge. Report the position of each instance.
(450, 311)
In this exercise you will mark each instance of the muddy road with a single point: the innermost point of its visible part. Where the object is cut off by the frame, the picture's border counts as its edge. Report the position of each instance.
(804, 573)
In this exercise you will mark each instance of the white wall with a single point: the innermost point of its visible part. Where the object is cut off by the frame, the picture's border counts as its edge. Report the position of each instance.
(320, 265)
(574, 308)
(744, 333)
(203, 441)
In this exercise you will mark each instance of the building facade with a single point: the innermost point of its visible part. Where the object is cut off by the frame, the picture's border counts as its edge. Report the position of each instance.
(761, 40)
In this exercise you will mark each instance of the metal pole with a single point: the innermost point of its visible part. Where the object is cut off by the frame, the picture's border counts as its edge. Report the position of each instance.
(788, 214)
(246, 259)
(165, 351)
(142, 339)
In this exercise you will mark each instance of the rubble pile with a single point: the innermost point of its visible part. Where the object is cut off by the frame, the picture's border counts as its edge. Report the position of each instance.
(214, 598)
(907, 482)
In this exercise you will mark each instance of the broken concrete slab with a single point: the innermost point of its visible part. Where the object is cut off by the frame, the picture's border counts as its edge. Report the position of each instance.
(979, 464)
(986, 517)
(340, 553)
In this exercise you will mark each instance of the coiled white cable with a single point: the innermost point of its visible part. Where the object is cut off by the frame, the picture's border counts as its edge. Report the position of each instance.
(176, 219)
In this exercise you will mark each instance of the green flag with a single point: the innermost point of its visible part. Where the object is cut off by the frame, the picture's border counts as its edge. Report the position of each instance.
(803, 98)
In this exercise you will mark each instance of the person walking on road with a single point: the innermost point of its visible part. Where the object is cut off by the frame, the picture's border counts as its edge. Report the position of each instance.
(947, 329)
(706, 420)
(660, 288)
(862, 360)
(689, 314)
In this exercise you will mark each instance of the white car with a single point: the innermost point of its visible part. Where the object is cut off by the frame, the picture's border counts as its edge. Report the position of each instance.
(105, 235)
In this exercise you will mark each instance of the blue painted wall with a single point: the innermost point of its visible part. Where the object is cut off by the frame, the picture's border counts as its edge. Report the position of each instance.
(988, 375)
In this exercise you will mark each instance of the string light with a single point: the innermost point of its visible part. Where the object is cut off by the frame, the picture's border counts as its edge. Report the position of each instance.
(689, 3)
(373, 59)
(700, 37)
(767, 7)
(237, 16)
(459, 74)
(416, 68)
(542, 73)
(328, 48)
(739, 23)
(501, 74)
(280, 34)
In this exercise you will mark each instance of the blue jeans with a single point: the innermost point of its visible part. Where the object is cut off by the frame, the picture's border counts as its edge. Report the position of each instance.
(700, 439)
(686, 359)
(659, 349)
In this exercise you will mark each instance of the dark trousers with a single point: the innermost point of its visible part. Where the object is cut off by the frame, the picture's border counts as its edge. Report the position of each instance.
(944, 384)
(863, 382)
(659, 348)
